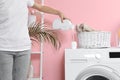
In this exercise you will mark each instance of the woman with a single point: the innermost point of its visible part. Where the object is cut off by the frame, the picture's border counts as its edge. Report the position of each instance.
(15, 43)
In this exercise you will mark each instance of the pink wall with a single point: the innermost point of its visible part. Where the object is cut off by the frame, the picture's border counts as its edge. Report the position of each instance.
(100, 14)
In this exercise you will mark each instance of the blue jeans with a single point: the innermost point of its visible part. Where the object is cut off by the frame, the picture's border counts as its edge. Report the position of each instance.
(14, 65)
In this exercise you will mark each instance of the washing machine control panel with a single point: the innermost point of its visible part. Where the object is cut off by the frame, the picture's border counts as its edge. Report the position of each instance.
(93, 55)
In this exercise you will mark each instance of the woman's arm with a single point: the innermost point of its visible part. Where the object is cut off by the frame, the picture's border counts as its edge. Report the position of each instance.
(49, 10)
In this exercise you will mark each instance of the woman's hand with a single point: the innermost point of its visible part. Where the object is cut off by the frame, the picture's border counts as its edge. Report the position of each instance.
(62, 17)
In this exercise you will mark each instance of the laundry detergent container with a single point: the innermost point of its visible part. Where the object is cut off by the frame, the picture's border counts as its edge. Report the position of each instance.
(95, 39)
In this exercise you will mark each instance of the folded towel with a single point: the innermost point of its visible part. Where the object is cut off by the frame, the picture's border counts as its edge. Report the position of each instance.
(65, 25)
(83, 28)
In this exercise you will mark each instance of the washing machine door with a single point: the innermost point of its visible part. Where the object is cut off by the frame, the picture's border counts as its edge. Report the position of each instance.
(98, 73)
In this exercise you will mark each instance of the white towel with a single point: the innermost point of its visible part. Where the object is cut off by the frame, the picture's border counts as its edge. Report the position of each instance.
(66, 25)
(84, 28)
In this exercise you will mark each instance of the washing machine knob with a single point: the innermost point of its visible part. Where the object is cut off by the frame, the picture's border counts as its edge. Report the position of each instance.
(98, 56)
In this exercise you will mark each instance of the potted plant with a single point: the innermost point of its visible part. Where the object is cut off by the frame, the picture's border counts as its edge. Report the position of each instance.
(37, 31)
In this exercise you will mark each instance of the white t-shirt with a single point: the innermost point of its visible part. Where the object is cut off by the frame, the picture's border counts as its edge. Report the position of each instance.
(14, 34)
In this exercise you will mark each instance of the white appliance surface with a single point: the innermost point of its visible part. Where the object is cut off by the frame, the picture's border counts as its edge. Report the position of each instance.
(83, 64)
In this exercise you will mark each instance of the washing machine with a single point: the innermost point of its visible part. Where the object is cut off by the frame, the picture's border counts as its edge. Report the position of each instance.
(92, 64)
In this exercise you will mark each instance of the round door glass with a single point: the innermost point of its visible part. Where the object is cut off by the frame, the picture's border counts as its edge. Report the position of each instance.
(97, 77)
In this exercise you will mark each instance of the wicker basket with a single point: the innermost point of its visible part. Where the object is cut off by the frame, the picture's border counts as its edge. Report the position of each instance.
(94, 39)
